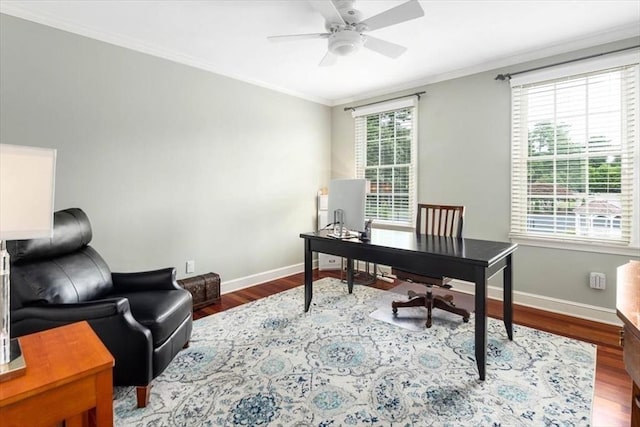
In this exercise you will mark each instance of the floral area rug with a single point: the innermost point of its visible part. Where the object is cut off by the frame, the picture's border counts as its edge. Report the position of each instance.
(267, 363)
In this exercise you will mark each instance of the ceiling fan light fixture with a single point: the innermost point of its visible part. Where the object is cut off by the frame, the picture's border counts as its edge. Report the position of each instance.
(345, 28)
(345, 42)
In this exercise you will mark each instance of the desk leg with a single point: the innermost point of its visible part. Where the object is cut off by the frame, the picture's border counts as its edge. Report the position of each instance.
(308, 275)
(350, 275)
(481, 321)
(507, 307)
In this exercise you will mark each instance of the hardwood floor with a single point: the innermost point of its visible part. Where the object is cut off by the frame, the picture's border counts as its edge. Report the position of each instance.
(612, 398)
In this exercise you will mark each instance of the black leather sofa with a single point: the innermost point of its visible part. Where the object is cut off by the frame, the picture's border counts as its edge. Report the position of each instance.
(144, 319)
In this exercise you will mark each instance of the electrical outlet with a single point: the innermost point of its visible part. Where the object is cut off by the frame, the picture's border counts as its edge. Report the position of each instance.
(597, 280)
(191, 266)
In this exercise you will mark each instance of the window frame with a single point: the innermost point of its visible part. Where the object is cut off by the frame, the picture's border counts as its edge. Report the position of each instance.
(360, 116)
(519, 231)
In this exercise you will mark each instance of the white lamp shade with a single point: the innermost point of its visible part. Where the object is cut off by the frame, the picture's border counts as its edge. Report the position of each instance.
(27, 182)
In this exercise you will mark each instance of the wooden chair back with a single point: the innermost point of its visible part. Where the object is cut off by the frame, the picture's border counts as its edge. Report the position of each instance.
(440, 220)
(445, 223)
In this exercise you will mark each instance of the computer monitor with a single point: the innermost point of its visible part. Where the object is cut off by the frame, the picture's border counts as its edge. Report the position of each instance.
(348, 195)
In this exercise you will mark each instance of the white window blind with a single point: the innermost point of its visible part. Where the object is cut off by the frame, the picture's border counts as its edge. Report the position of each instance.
(575, 156)
(386, 148)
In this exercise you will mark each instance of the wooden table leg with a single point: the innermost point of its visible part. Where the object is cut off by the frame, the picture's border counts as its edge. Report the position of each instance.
(507, 301)
(103, 412)
(635, 406)
(80, 420)
(350, 275)
(308, 275)
(481, 322)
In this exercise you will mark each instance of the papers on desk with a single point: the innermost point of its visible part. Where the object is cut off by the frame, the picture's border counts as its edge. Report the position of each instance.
(346, 234)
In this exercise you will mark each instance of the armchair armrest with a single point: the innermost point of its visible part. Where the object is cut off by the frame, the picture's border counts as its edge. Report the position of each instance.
(164, 279)
(127, 340)
(51, 315)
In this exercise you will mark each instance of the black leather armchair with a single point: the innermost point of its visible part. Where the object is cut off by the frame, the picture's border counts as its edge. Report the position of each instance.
(144, 319)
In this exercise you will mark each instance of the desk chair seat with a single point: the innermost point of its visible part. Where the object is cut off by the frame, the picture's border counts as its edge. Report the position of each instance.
(435, 220)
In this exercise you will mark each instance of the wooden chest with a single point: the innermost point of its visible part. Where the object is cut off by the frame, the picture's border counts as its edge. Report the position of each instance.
(205, 289)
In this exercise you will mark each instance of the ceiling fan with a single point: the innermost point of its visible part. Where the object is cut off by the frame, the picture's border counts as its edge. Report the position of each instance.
(345, 28)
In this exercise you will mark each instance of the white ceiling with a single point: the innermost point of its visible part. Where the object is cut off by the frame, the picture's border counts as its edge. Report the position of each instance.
(454, 38)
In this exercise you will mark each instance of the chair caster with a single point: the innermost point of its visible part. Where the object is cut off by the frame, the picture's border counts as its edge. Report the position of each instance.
(394, 310)
(465, 319)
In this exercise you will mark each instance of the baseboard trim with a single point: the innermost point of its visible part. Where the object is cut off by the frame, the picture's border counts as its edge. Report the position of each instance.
(259, 278)
(553, 305)
(540, 302)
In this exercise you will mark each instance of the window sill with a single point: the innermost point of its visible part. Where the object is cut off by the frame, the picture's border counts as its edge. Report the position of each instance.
(391, 226)
(576, 246)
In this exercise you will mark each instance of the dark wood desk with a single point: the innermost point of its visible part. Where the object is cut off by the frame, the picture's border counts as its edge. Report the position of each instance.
(465, 259)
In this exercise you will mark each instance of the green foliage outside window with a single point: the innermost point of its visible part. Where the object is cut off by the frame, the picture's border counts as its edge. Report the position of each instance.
(388, 156)
(561, 171)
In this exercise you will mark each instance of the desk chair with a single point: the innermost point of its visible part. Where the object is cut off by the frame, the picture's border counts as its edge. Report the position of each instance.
(435, 220)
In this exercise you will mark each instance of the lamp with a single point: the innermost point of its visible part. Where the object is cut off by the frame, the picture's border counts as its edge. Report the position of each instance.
(27, 176)
(345, 42)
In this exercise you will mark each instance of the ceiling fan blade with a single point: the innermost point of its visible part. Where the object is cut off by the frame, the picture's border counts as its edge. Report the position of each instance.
(328, 10)
(383, 47)
(328, 60)
(294, 37)
(405, 12)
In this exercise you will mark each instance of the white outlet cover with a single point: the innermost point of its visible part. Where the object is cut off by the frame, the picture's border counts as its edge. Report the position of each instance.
(191, 266)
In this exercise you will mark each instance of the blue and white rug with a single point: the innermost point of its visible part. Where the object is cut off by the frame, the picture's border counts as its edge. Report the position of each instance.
(269, 363)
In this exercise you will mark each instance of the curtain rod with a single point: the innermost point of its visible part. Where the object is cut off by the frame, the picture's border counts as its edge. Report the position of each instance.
(507, 76)
(386, 100)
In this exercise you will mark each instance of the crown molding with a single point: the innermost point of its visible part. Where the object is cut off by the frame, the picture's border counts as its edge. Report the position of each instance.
(614, 35)
(138, 46)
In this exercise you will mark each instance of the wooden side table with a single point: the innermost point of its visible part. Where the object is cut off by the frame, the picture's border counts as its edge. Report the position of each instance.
(628, 309)
(68, 378)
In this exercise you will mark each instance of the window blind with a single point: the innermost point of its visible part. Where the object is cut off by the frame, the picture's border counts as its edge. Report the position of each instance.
(385, 152)
(575, 156)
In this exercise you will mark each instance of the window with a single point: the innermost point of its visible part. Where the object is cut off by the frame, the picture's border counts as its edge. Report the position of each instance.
(575, 154)
(386, 156)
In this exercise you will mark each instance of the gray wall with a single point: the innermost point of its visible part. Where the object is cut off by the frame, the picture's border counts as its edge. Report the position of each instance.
(171, 163)
(464, 158)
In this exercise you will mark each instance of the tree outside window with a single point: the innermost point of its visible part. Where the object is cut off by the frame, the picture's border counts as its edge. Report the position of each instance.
(574, 159)
(386, 143)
